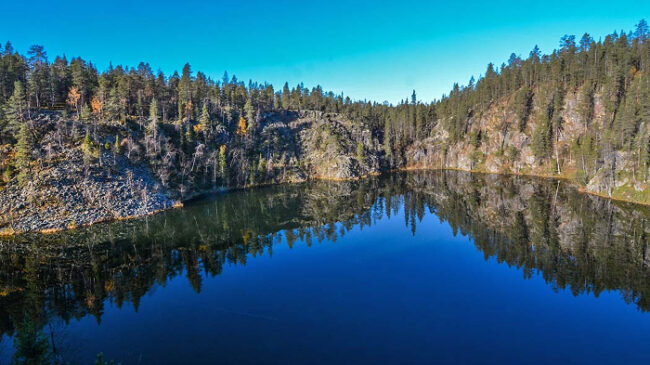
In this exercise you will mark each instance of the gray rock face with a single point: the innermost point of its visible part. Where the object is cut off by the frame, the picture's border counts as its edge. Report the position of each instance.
(67, 194)
(330, 148)
(67, 191)
(505, 147)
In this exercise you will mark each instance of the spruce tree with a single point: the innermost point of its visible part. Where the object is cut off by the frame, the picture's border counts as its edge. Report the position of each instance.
(15, 109)
(223, 165)
(31, 344)
(113, 105)
(249, 111)
(23, 155)
(285, 96)
(523, 105)
(88, 149)
(361, 156)
(541, 139)
(86, 113)
(388, 135)
(152, 126)
(185, 93)
(205, 119)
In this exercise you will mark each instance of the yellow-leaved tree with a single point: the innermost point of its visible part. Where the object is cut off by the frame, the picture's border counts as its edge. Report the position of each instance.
(241, 128)
(97, 106)
(73, 99)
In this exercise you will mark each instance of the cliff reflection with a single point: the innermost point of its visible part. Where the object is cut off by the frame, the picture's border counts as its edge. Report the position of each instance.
(575, 241)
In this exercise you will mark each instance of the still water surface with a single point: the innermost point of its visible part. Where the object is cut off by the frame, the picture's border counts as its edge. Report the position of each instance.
(425, 267)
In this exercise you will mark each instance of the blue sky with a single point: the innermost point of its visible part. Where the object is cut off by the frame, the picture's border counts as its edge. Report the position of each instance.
(375, 50)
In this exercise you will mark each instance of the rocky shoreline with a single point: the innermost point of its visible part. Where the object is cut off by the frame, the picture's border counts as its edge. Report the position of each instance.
(69, 195)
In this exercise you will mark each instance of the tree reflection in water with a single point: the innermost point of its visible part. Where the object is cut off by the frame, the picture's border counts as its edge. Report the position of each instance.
(575, 241)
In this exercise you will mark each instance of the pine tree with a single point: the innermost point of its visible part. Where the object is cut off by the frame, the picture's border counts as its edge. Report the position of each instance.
(38, 76)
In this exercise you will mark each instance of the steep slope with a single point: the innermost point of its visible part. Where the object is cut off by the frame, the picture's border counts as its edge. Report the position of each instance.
(495, 142)
(83, 180)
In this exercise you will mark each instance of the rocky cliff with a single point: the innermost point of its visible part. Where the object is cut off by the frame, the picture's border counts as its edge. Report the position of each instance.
(76, 182)
(499, 141)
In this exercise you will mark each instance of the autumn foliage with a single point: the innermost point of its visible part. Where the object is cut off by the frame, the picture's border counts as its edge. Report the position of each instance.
(242, 128)
(73, 98)
(96, 105)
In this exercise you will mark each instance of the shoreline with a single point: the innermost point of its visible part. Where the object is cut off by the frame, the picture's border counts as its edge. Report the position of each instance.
(580, 188)
(46, 231)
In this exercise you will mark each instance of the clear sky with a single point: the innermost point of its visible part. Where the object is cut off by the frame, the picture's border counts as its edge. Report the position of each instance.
(375, 50)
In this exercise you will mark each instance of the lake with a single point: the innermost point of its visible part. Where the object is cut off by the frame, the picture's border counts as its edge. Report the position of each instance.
(419, 267)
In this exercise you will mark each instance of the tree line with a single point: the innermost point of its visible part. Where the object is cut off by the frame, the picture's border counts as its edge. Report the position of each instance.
(614, 70)
(189, 122)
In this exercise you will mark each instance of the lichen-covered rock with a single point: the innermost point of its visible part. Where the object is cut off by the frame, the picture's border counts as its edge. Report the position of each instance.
(66, 194)
(69, 188)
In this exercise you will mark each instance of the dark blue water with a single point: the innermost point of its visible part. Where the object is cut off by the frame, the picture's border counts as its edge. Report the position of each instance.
(412, 287)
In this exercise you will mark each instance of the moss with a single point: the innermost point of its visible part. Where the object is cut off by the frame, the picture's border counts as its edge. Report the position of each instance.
(628, 192)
